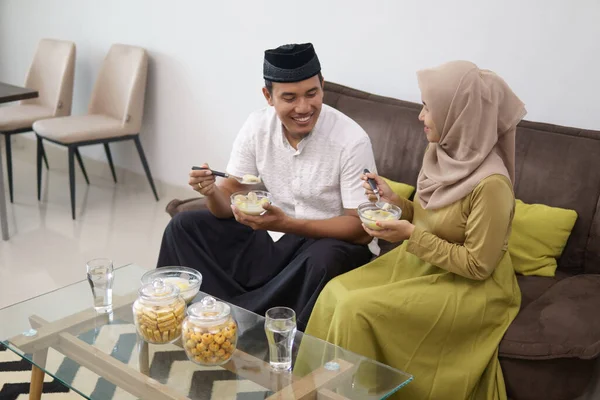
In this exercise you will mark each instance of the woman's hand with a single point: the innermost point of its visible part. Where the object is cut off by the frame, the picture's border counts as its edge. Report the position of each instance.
(392, 231)
(385, 192)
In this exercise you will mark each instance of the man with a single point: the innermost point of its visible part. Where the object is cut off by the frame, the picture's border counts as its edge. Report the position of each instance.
(310, 158)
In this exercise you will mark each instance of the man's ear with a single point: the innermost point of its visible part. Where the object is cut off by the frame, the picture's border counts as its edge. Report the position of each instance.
(267, 95)
(323, 83)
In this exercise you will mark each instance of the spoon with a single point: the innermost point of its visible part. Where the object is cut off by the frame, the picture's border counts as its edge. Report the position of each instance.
(226, 175)
(373, 184)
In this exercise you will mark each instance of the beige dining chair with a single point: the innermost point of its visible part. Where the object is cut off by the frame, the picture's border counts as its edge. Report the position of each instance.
(114, 114)
(51, 73)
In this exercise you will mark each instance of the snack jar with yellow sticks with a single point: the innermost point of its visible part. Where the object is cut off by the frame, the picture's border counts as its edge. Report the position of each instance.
(209, 332)
(159, 312)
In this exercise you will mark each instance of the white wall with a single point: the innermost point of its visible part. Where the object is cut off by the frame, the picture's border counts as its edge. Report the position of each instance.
(206, 56)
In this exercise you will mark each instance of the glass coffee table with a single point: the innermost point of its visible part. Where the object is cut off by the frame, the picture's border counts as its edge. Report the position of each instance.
(102, 357)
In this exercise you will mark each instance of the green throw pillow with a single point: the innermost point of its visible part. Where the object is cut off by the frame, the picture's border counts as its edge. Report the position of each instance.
(539, 235)
(401, 189)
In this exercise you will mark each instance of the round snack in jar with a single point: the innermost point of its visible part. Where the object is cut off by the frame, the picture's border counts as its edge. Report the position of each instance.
(158, 313)
(209, 332)
(251, 202)
(369, 214)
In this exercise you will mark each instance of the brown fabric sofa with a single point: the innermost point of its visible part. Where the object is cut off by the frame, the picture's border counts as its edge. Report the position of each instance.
(550, 349)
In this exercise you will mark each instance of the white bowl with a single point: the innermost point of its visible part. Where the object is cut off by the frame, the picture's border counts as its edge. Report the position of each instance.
(188, 280)
(241, 201)
(369, 214)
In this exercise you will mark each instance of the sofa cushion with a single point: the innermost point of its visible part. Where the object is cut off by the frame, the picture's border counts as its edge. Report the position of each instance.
(559, 167)
(401, 189)
(532, 287)
(393, 126)
(557, 379)
(176, 206)
(592, 253)
(539, 235)
(562, 323)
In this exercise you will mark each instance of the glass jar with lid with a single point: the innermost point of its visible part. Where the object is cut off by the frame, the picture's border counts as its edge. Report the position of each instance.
(159, 312)
(209, 332)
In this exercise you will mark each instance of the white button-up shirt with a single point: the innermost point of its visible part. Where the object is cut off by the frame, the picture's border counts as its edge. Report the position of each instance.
(318, 180)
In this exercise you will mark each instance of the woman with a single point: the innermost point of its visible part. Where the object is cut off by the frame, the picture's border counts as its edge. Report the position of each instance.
(438, 305)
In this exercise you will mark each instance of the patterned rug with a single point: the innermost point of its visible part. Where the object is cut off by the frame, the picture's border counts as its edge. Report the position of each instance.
(168, 364)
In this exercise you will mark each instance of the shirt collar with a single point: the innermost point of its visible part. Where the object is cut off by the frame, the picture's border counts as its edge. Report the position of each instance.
(305, 140)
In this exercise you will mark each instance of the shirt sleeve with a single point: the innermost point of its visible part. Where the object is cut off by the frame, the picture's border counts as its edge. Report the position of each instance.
(355, 158)
(242, 160)
(486, 232)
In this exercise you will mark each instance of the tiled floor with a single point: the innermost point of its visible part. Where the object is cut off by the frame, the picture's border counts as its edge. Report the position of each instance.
(47, 249)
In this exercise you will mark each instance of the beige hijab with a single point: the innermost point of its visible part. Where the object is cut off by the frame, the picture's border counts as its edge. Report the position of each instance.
(476, 114)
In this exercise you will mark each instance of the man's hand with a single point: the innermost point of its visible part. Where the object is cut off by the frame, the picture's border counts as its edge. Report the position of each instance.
(393, 231)
(274, 219)
(203, 181)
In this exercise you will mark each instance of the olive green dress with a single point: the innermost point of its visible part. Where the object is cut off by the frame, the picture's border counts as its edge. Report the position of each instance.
(438, 305)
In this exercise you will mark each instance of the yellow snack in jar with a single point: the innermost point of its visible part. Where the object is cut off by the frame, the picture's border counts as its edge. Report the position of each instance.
(214, 347)
(213, 360)
(165, 336)
(172, 334)
(201, 346)
(228, 333)
(167, 325)
(226, 345)
(162, 311)
(149, 313)
(157, 336)
(206, 354)
(219, 338)
(178, 311)
(220, 353)
(207, 338)
(190, 344)
(167, 317)
(194, 351)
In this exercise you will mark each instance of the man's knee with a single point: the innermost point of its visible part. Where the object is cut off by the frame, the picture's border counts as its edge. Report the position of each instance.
(332, 257)
(187, 220)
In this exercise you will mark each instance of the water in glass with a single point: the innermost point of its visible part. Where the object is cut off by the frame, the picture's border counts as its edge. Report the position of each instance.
(280, 328)
(100, 277)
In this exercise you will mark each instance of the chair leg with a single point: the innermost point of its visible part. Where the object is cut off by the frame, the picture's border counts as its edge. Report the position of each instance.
(45, 157)
(72, 152)
(40, 150)
(140, 150)
(80, 161)
(110, 161)
(9, 170)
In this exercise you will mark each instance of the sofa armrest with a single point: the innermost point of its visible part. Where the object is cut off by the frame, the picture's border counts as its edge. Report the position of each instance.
(176, 206)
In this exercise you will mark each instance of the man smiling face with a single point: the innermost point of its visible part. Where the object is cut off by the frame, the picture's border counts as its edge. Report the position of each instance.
(298, 104)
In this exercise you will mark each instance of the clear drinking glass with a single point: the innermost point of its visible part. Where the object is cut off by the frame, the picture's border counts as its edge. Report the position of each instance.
(280, 328)
(100, 277)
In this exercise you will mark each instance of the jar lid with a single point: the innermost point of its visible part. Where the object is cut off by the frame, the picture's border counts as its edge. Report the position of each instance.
(209, 311)
(158, 290)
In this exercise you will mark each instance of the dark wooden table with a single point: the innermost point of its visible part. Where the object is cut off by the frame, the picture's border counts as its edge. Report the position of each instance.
(10, 93)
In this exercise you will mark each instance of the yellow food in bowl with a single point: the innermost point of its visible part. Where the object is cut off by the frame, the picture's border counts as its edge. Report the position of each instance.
(251, 203)
(186, 290)
(248, 178)
(370, 218)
